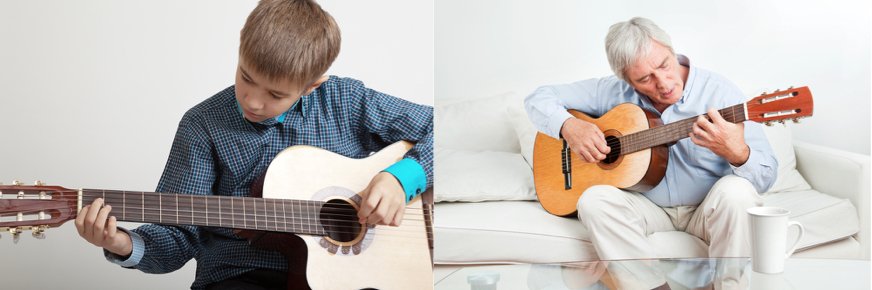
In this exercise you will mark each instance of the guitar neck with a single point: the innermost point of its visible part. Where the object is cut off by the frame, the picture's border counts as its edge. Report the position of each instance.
(277, 215)
(673, 132)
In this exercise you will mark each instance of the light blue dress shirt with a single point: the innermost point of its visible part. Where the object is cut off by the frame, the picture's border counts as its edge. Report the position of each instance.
(692, 169)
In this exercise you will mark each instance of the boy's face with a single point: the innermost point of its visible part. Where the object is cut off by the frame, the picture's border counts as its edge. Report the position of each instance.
(261, 98)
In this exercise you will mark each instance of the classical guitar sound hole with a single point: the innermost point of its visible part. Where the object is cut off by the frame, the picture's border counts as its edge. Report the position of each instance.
(339, 219)
(614, 143)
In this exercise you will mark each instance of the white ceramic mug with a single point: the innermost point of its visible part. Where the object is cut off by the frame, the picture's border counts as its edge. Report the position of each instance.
(769, 238)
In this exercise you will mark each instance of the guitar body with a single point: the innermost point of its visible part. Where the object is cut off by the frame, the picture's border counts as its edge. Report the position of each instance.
(637, 171)
(380, 257)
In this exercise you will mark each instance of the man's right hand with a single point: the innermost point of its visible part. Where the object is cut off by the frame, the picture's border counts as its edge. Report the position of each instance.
(585, 139)
(97, 227)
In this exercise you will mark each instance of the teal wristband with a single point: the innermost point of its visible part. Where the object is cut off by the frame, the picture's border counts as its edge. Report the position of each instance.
(411, 176)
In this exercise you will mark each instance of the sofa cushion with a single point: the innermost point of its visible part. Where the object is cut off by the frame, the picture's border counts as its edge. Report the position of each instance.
(824, 217)
(474, 176)
(477, 124)
(524, 129)
(781, 141)
(521, 231)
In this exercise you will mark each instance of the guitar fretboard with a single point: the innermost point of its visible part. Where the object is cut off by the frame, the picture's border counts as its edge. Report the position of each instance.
(278, 215)
(673, 131)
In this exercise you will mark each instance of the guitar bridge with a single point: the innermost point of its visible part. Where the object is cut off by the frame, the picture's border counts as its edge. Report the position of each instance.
(566, 160)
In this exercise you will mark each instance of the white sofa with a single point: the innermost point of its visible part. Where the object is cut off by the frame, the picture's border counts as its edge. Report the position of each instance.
(486, 212)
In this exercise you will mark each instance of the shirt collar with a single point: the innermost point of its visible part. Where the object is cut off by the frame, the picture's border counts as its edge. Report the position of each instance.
(271, 121)
(691, 75)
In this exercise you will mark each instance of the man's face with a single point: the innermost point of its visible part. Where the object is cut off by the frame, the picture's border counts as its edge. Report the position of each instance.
(261, 98)
(658, 76)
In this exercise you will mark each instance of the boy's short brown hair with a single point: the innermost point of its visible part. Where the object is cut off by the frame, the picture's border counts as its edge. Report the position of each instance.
(292, 40)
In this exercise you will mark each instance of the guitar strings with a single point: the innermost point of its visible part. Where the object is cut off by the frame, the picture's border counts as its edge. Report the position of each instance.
(340, 214)
(266, 218)
(307, 203)
(404, 230)
(654, 135)
(677, 126)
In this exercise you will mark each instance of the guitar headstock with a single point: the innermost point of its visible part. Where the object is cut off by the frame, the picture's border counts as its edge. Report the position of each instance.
(791, 104)
(35, 208)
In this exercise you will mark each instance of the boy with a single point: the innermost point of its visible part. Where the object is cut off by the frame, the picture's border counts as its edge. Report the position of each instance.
(281, 98)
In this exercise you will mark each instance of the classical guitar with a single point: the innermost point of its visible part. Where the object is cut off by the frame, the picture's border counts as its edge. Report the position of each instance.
(309, 199)
(638, 141)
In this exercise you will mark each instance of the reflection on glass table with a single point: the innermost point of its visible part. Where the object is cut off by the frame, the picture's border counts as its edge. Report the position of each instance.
(721, 273)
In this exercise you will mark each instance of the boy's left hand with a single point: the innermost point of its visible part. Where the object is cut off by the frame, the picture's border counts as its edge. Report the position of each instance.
(383, 201)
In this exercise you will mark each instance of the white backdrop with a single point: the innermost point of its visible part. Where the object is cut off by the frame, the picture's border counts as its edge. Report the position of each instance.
(92, 92)
(484, 48)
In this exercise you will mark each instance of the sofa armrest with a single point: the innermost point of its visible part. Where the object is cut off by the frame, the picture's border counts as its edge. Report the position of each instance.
(841, 174)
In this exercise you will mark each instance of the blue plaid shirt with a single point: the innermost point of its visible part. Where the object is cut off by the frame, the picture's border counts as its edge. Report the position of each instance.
(216, 151)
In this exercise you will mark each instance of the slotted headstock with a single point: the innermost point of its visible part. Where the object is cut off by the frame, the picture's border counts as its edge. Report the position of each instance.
(35, 208)
(791, 104)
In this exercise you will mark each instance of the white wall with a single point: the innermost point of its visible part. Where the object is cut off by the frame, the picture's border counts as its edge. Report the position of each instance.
(484, 48)
(92, 92)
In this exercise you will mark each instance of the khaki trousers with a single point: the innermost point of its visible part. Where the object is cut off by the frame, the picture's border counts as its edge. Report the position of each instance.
(619, 223)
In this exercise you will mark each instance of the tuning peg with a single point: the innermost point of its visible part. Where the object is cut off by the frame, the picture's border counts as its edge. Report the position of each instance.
(790, 88)
(796, 120)
(38, 232)
(38, 183)
(15, 234)
(781, 121)
(16, 183)
(768, 123)
(777, 90)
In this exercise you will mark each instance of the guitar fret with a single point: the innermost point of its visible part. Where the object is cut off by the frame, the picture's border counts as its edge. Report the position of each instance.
(275, 216)
(285, 216)
(206, 205)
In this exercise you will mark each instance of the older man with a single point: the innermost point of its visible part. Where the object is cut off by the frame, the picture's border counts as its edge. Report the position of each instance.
(711, 177)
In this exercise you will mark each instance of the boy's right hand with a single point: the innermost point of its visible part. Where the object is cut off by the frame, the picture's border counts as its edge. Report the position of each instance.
(97, 227)
(585, 139)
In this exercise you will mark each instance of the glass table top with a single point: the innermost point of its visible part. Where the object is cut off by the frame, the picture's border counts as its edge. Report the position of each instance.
(702, 273)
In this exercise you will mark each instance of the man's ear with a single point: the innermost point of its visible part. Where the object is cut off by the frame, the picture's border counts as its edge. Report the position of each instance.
(316, 84)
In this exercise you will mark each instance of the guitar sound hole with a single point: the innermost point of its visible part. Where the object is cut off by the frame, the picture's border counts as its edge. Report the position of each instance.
(339, 219)
(614, 143)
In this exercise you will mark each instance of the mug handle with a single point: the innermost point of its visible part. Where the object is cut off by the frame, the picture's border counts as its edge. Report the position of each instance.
(796, 243)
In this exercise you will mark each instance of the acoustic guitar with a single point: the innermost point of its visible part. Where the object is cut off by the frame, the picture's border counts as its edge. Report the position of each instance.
(638, 141)
(308, 211)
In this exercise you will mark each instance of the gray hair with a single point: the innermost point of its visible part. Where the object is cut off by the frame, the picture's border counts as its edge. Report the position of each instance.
(628, 41)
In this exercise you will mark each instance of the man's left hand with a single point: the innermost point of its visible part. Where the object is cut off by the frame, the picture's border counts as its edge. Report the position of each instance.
(724, 138)
(383, 201)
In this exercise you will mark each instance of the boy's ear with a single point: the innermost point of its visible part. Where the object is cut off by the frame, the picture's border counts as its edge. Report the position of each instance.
(316, 84)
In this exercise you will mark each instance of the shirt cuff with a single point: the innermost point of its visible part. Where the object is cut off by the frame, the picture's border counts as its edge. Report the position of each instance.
(750, 165)
(555, 123)
(411, 176)
(135, 254)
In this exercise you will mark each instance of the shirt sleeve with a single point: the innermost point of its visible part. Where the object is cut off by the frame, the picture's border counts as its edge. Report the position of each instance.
(547, 105)
(190, 169)
(387, 119)
(135, 254)
(761, 167)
